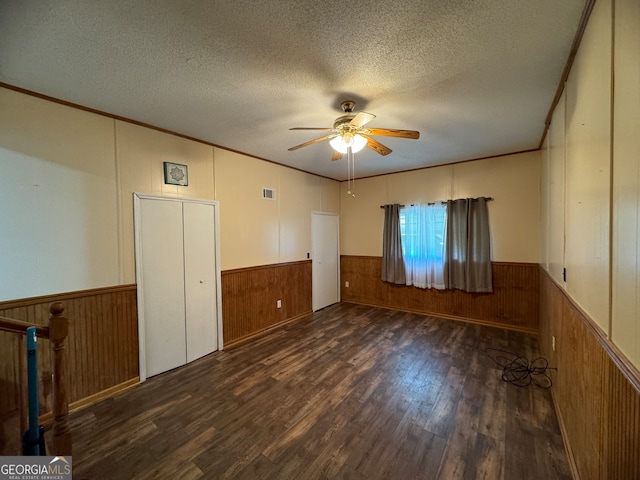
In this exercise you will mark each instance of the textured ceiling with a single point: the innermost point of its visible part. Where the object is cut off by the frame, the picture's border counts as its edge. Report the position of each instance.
(475, 77)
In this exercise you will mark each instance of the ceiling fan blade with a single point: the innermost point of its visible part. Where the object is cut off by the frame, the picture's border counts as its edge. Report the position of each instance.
(373, 144)
(387, 132)
(310, 128)
(336, 156)
(361, 119)
(310, 142)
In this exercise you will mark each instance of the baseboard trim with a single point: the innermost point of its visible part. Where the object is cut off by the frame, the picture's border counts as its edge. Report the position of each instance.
(475, 321)
(47, 418)
(109, 392)
(571, 459)
(252, 336)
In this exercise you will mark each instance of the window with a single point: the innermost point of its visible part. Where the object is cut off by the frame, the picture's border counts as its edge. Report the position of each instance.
(442, 245)
(422, 228)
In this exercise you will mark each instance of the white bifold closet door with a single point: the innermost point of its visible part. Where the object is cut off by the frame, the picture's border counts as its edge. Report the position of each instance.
(178, 289)
(200, 279)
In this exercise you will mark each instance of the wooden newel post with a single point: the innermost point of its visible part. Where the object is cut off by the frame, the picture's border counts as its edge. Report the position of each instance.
(58, 331)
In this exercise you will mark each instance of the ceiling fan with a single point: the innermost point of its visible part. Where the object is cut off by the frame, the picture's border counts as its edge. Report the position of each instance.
(349, 133)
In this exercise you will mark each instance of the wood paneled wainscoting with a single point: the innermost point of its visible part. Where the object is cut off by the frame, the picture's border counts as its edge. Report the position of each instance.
(513, 304)
(101, 351)
(250, 295)
(596, 390)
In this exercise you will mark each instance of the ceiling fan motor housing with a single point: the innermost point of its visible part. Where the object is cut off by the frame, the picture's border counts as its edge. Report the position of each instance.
(342, 120)
(348, 106)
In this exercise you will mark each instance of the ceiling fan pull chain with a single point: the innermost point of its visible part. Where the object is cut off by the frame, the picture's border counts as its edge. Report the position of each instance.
(349, 153)
(353, 174)
(350, 172)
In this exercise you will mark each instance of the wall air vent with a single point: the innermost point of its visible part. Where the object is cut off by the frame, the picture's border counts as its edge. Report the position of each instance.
(268, 193)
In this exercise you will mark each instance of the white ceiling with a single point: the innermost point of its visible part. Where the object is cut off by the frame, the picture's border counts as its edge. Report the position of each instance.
(475, 77)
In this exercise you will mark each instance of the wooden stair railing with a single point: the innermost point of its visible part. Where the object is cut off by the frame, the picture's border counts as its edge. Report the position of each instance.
(56, 332)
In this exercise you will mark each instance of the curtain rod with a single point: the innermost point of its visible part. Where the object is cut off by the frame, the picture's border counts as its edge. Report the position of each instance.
(488, 199)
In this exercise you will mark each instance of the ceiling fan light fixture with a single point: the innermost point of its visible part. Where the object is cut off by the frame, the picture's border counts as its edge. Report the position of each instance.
(359, 143)
(343, 142)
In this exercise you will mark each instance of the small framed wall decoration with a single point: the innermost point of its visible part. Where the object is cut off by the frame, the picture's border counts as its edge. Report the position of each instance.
(176, 174)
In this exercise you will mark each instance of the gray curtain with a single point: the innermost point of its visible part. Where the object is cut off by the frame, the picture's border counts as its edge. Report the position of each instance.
(468, 246)
(392, 260)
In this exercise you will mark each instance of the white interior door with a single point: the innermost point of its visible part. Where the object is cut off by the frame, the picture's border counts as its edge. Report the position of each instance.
(325, 246)
(160, 276)
(200, 279)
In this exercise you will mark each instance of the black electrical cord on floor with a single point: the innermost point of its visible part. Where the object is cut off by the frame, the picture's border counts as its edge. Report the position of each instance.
(518, 370)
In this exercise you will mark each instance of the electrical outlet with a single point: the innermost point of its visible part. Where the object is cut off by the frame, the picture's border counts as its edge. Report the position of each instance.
(346, 284)
(279, 304)
(553, 343)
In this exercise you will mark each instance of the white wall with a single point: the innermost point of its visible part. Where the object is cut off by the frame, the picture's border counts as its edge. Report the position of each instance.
(587, 168)
(512, 180)
(140, 155)
(256, 231)
(58, 199)
(591, 223)
(625, 330)
(553, 195)
(576, 183)
(67, 216)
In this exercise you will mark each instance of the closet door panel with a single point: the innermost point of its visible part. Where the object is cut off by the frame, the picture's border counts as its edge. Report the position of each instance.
(163, 285)
(200, 279)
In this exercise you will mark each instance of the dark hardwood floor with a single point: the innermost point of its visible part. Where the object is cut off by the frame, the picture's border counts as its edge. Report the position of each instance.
(351, 392)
